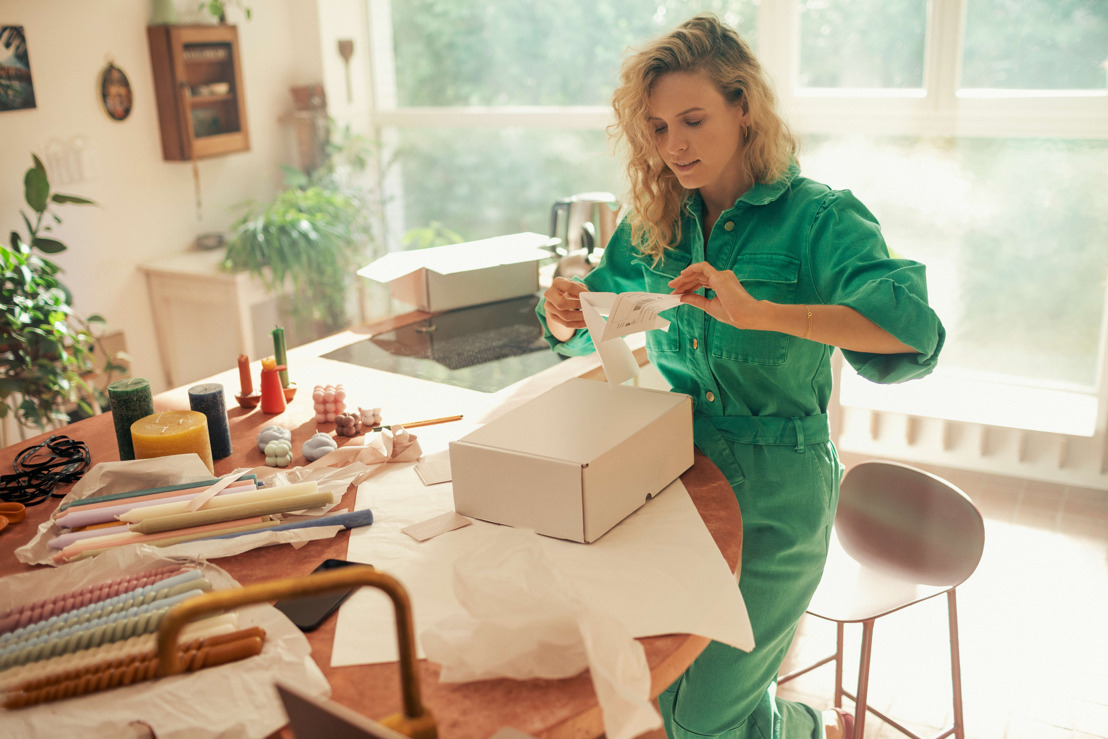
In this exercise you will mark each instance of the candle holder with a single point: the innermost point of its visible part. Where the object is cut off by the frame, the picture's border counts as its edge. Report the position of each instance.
(289, 391)
(247, 397)
(249, 400)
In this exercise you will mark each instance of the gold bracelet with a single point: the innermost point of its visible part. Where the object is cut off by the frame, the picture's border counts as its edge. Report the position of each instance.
(808, 333)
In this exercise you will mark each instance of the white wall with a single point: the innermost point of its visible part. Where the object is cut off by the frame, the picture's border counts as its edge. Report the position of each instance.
(147, 206)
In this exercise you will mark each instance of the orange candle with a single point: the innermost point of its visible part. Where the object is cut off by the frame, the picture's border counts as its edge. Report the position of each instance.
(173, 432)
(244, 375)
(273, 395)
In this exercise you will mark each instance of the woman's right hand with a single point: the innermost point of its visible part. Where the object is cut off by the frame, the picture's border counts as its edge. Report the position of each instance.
(563, 308)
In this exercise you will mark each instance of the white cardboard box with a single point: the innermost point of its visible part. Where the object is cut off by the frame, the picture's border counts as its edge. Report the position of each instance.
(447, 277)
(574, 461)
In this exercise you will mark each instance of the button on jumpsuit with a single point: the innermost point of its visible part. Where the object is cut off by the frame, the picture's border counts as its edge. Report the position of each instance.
(760, 412)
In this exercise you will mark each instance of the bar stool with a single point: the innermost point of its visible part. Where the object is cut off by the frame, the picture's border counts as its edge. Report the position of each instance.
(902, 536)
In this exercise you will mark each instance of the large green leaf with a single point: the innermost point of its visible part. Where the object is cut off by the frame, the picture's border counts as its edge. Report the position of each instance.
(36, 189)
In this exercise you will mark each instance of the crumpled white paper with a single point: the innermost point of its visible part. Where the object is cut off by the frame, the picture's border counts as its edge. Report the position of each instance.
(526, 620)
(233, 700)
(334, 473)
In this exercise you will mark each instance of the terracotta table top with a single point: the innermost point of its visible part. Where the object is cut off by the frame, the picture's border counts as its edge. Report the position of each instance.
(543, 708)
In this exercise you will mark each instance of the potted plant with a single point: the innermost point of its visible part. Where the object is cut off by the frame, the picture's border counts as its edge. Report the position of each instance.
(218, 8)
(313, 236)
(46, 348)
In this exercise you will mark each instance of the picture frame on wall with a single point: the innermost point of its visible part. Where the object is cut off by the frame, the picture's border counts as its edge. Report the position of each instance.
(115, 92)
(17, 92)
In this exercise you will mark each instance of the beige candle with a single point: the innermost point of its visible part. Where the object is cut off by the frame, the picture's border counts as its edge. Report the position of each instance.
(172, 432)
(223, 501)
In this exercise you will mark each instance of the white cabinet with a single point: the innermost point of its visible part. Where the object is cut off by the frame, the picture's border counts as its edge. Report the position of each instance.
(204, 317)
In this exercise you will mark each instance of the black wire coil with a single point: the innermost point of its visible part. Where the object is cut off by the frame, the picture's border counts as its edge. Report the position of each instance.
(41, 468)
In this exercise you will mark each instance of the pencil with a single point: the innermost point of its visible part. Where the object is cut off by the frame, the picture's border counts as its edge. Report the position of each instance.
(413, 424)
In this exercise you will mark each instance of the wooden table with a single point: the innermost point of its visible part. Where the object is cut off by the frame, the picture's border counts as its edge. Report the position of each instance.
(543, 708)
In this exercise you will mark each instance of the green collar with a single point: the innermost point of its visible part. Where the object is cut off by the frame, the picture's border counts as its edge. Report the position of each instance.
(762, 193)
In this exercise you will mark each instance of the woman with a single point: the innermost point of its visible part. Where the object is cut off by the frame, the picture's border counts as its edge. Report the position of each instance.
(774, 271)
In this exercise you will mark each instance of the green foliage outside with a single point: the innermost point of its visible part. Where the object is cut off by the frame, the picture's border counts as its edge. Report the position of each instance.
(487, 182)
(1036, 44)
(507, 52)
(848, 44)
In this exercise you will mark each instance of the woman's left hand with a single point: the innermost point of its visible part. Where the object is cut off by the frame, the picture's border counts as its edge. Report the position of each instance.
(732, 303)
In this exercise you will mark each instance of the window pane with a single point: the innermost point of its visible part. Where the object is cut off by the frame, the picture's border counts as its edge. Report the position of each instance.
(507, 52)
(1036, 44)
(1014, 233)
(482, 183)
(862, 43)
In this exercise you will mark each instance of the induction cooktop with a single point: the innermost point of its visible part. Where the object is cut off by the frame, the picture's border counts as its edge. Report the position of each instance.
(484, 347)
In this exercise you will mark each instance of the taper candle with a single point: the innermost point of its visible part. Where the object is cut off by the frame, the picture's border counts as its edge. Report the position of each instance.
(208, 399)
(130, 400)
(246, 383)
(273, 396)
(280, 355)
(173, 432)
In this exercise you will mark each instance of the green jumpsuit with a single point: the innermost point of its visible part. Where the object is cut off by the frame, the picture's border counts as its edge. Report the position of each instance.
(760, 412)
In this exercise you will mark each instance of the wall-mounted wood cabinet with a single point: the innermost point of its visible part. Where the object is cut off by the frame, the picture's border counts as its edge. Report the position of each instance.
(198, 84)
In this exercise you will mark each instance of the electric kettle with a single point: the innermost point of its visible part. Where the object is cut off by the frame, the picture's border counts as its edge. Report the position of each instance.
(581, 223)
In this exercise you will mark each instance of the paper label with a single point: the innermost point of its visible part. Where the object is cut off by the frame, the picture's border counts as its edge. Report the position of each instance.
(432, 527)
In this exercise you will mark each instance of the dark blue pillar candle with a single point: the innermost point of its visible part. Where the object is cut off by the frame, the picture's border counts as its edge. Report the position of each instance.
(130, 400)
(208, 399)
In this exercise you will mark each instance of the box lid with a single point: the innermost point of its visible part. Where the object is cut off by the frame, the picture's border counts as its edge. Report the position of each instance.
(471, 255)
(577, 421)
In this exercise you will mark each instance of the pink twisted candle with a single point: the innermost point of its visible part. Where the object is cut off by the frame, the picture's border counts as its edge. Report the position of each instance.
(41, 610)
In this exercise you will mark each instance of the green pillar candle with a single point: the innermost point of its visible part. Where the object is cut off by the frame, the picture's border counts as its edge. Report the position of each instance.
(130, 400)
(280, 355)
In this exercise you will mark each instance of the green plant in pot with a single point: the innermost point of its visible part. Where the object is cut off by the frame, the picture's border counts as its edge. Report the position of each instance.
(46, 348)
(312, 237)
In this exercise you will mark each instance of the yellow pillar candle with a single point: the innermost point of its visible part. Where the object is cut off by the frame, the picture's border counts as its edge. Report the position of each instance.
(172, 432)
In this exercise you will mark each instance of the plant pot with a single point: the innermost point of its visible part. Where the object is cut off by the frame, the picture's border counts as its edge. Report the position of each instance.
(309, 97)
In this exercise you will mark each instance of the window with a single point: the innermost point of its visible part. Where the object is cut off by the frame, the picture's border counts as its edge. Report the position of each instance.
(1014, 233)
(872, 44)
(989, 173)
(975, 130)
(497, 109)
(1018, 45)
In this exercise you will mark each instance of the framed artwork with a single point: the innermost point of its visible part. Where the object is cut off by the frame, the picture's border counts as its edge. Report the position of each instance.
(115, 92)
(16, 90)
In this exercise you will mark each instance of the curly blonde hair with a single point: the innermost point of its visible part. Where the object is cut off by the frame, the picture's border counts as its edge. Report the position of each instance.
(702, 43)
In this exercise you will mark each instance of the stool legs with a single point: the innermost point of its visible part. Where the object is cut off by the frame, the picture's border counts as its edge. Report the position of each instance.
(955, 664)
(862, 697)
(840, 629)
